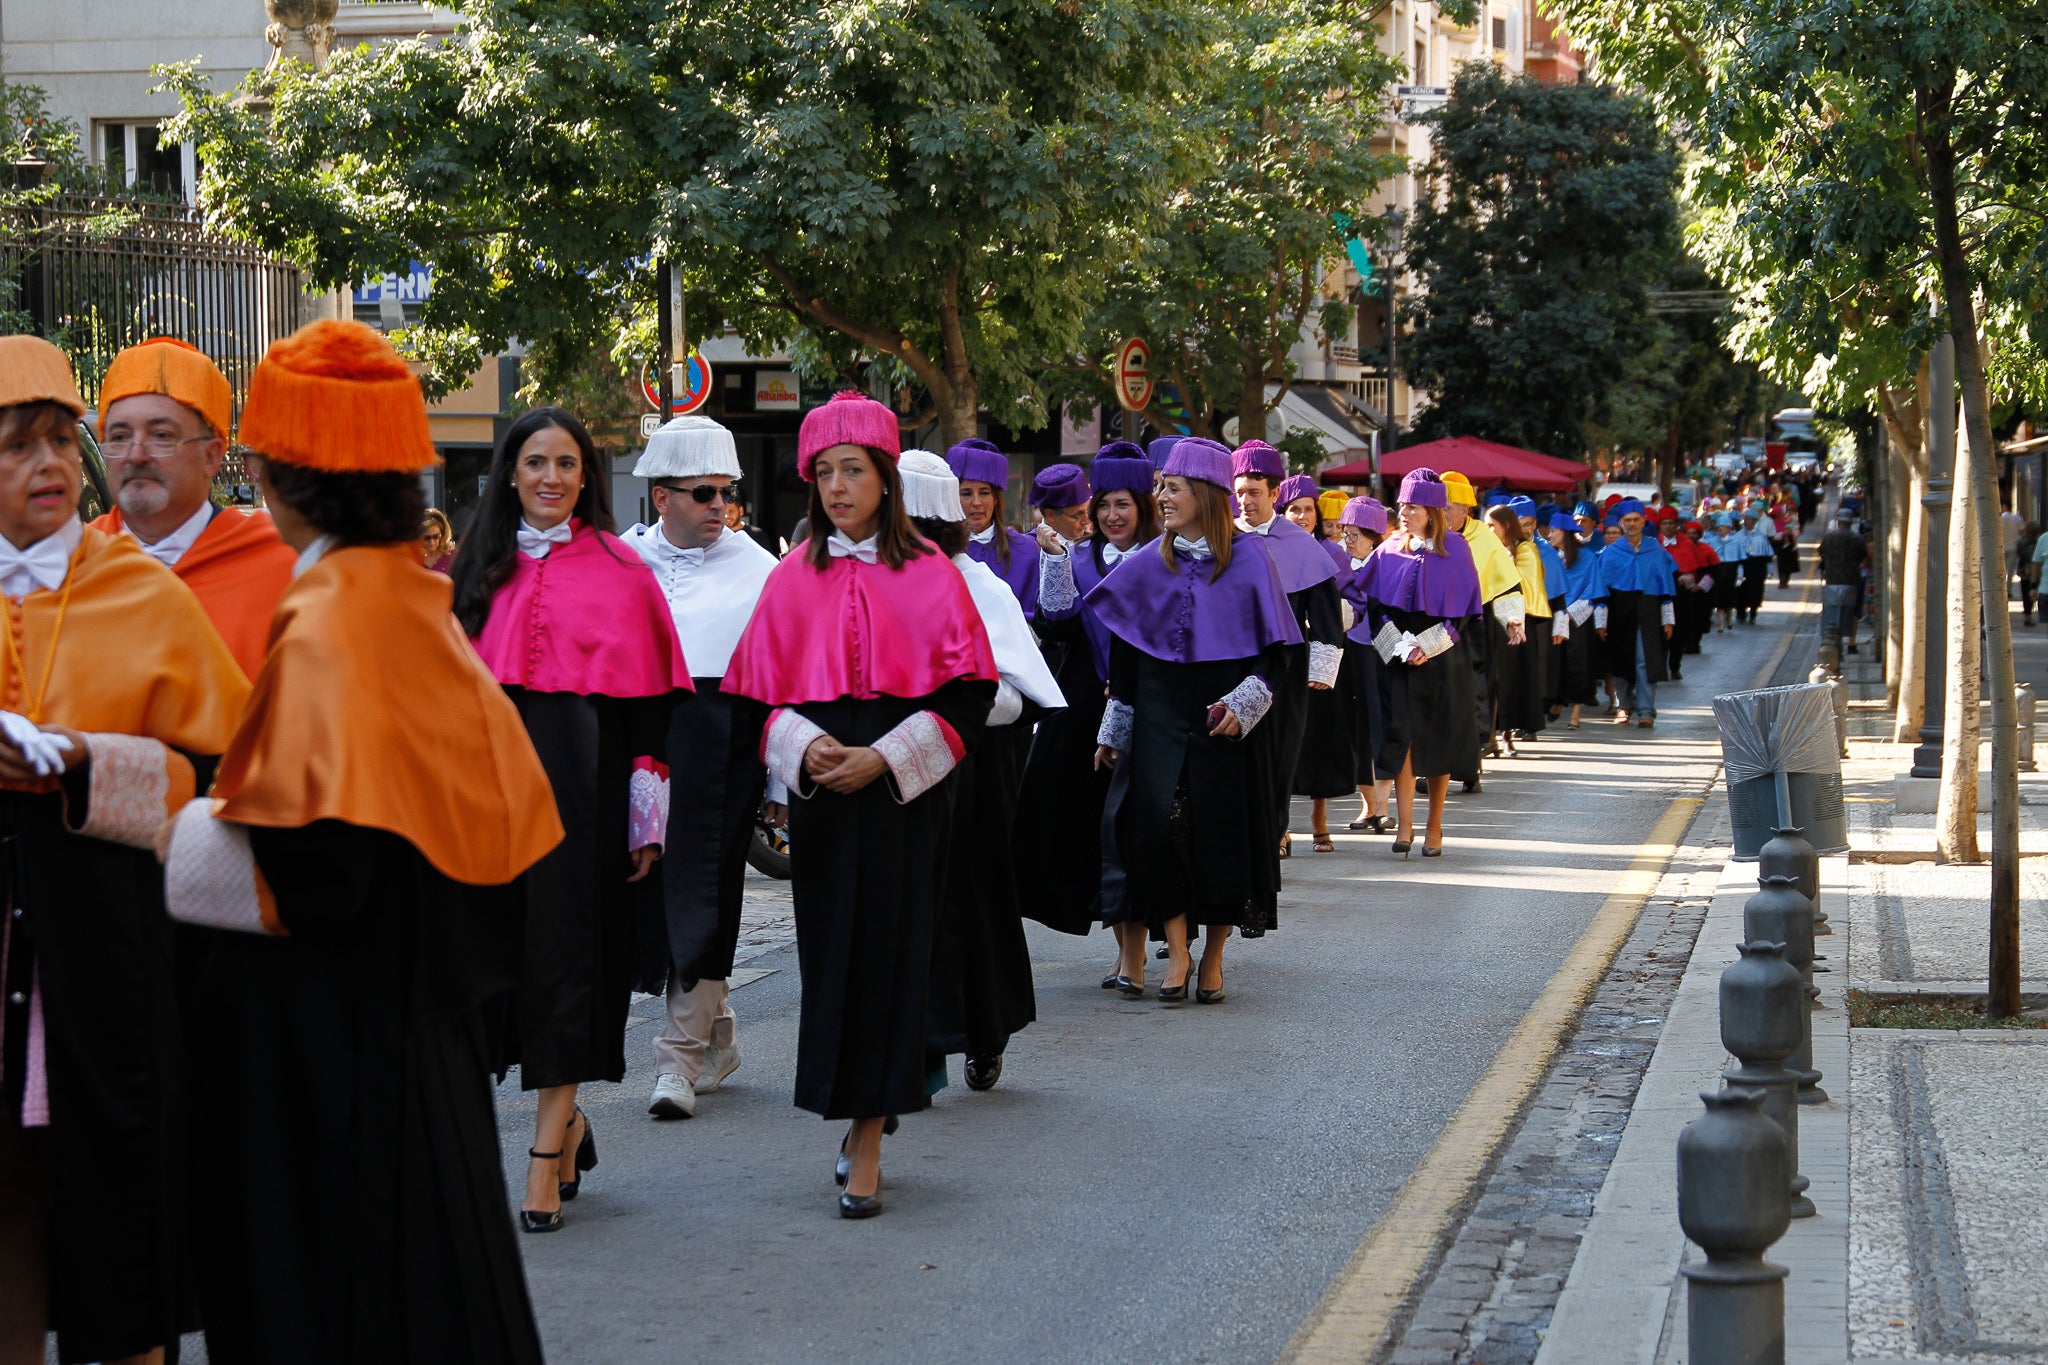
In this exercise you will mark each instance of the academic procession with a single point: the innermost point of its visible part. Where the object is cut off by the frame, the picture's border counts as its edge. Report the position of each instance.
(289, 969)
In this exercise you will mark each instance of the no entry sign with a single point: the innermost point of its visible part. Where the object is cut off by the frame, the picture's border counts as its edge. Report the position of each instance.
(1134, 375)
(688, 398)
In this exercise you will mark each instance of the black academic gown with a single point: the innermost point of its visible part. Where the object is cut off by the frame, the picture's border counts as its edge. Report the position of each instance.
(868, 873)
(1633, 616)
(86, 927)
(1431, 717)
(1523, 694)
(1319, 610)
(1190, 826)
(346, 1111)
(1581, 664)
(1369, 717)
(568, 1018)
(1058, 828)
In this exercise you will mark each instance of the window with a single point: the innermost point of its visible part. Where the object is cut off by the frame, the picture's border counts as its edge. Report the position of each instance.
(1500, 32)
(1421, 74)
(136, 155)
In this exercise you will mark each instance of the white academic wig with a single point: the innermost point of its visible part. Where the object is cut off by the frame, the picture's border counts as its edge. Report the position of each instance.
(929, 488)
(688, 448)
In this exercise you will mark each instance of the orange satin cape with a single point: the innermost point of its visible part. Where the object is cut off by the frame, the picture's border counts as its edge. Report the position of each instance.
(372, 709)
(239, 568)
(135, 655)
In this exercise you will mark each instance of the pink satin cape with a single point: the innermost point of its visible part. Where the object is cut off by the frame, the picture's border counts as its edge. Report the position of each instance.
(589, 619)
(859, 630)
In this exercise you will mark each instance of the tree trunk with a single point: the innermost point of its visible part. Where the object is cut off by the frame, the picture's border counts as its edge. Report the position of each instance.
(1955, 819)
(1906, 423)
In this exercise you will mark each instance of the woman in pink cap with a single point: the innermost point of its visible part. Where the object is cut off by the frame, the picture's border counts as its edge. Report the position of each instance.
(868, 649)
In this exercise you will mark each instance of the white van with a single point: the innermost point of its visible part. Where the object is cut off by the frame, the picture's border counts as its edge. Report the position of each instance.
(1683, 494)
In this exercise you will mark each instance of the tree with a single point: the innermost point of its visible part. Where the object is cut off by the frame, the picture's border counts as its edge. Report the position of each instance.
(1550, 211)
(935, 184)
(28, 129)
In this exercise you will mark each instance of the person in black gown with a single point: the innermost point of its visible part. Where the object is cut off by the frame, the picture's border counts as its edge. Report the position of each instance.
(1363, 525)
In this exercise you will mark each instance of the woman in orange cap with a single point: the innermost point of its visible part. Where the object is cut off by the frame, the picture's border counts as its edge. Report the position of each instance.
(115, 694)
(350, 872)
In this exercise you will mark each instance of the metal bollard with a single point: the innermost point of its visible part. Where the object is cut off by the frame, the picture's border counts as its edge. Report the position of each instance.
(1731, 1179)
(1777, 913)
(1787, 854)
(1760, 999)
(2025, 696)
(1829, 658)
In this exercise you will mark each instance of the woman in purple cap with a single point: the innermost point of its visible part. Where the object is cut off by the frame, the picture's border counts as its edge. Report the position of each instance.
(984, 474)
(1363, 525)
(1420, 592)
(1198, 627)
(1059, 807)
(1326, 764)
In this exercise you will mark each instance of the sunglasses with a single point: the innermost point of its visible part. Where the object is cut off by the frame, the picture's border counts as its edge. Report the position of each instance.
(706, 493)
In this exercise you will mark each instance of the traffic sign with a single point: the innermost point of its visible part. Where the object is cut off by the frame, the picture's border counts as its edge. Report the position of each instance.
(650, 422)
(692, 386)
(1134, 375)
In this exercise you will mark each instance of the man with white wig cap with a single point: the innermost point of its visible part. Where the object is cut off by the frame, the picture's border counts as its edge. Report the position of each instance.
(981, 965)
(712, 576)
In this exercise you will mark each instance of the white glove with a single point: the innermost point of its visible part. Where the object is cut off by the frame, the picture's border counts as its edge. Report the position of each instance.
(44, 751)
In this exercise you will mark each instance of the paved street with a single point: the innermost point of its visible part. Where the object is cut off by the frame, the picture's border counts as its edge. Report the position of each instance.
(1147, 1180)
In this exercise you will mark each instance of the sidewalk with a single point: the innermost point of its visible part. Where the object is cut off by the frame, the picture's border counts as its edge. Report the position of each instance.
(1926, 1163)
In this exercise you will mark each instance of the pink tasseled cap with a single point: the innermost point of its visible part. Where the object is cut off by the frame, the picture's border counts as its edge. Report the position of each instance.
(849, 419)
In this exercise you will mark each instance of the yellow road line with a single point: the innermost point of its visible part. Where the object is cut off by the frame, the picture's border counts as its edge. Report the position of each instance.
(1351, 1323)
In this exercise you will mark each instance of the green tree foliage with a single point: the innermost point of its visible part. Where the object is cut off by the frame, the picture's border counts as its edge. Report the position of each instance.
(1549, 216)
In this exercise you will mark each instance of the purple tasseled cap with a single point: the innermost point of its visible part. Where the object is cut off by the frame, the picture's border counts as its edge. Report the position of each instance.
(1122, 465)
(975, 460)
(1422, 488)
(1256, 457)
(1292, 487)
(1160, 448)
(1060, 485)
(1366, 514)
(1196, 457)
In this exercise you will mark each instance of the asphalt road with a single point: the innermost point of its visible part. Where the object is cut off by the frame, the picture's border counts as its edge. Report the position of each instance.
(1147, 1181)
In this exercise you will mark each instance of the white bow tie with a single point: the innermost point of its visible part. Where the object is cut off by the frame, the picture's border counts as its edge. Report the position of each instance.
(1263, 527)
(985, 536)
(42, 565)
(841, 548)
(536, 544)
(1193, 549)
(1110, 553)
(672, 552)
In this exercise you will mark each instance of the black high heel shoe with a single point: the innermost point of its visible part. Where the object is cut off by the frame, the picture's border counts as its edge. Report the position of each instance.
(1205, 996)
(586, 1156)
(859, 1205)
(1173, 995)
(843, 1167)
(1401, 847)
(533, 1220)
(1376, 823)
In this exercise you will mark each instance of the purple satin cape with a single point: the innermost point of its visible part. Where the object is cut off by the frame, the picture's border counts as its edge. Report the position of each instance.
(1179, 616)
(1022, 575)
(1444, 585)
(1297, 554)
(1340, 557)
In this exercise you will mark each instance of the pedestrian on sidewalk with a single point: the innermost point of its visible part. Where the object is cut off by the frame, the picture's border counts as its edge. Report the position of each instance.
(353, 869)
(116, 693)
(1842, 557)
(1580, 651)
(576, 630)
(1639, 617)
(1199, 629)
(1059, 805)
(1520, 712)
(2030, 569)
(1364, 525)
(868, 649)
(981, 993)
(711, 575)
(1419, 594)
(1324, 764)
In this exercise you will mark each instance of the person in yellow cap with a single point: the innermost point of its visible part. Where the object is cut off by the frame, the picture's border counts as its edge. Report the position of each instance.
(105, 727)
(1500, 587)
(164, 412)
(350, 874)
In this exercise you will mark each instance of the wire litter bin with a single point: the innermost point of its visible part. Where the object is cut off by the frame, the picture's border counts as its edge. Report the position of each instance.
(1778, 745)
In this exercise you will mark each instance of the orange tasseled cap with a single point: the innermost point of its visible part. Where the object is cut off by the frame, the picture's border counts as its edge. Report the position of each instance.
(34, 371)
(175, 369)
(335, 396)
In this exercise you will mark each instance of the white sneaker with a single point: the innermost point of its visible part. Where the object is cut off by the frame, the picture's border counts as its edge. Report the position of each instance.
(719, 1062)
(674, 1097)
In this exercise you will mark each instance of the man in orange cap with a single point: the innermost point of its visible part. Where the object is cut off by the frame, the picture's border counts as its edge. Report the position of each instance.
(164, 412)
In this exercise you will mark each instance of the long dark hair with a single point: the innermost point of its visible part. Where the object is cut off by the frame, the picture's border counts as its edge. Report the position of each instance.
(1570, 549)
(896, 540)
(356, 508)
(1212, 515)
(1500, 516)
(485, 558)
(998, 519)
(1148, 520)
(949, 536)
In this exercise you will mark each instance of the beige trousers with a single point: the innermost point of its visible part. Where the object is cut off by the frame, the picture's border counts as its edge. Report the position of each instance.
(697, 1019)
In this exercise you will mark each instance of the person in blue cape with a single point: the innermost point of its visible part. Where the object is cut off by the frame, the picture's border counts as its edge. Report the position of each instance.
(1756, 553)
(1199, 626)
(1535, 519)
(1580, 654)
(984, 474)
(1641, 582)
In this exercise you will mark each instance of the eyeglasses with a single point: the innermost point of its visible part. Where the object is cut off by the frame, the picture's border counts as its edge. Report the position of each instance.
(706, 493)
(155, 447)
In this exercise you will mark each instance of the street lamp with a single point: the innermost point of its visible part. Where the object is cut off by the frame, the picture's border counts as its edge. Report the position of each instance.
(1396, 221)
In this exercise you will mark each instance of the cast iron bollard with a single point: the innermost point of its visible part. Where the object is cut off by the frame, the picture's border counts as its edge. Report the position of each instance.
(1760, 995)
(1787, 854)
(2025, 696)
(1731, 1203)
(1777, 913)
(1828, 660)
(1838, 697)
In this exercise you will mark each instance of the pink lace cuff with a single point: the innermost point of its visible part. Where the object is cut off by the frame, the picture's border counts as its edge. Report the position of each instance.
(136, 785)
(920, 752)
(647, 816)
(783, 742)
(211, 877)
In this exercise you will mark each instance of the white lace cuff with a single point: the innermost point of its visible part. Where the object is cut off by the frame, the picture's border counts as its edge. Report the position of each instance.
(1115, 730)
(1009, 702)
(1666, 614)
(777, 793)
(782, 748)
(1394, 644)
(136, 784)
(1561, 626)
(1056, 591)
(1706, 582)
(1249, 701)
(1323, 662)
(211, 877)
(1581, 611)
(1599, 618)
(1435, 640)
(920, 752)
(1509, 609)
(647, 811)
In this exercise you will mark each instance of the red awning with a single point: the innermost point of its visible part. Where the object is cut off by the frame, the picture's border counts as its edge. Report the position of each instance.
(1486, 463)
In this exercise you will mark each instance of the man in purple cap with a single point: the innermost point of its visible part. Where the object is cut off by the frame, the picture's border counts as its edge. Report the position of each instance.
(1060, 493)
(1310, 581)
(984, 474)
